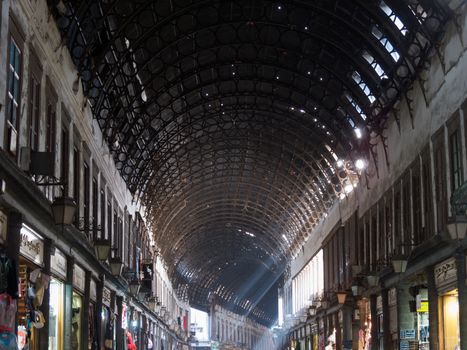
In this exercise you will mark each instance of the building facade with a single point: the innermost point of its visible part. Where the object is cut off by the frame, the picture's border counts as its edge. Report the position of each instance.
(97, 283)
(393, 248)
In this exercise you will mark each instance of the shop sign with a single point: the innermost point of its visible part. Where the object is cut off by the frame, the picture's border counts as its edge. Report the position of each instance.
(392, 297)
(407, 334)
(31, 245)
(446, 272)
(92, 290)
(404, 345)
(423, 306)
(79, 278)
(58, 263)
(124, 316)
(3, 226)
(106, 296)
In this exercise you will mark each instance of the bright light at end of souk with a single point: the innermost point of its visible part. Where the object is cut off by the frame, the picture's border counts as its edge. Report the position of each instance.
(360, 164)
(280, 312)
(348, 188)
(358, 133)
(340, 163)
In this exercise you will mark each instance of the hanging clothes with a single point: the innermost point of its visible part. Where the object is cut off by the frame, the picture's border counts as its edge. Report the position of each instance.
(8, 309)
(129, 341)
(109, 332)
(8, 276)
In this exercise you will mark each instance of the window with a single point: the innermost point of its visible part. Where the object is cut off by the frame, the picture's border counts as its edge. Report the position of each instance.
(95, 203)
(109, 218)
(407, 211)
(50, 127)
(103, 223)
(440, 181)
(86, 194)
(76, 182)
(13, 96)
(115, 237)
(64, 168)
(455, 160)
(397, 221)
(427, 195)
(417, 205)
(34, 96)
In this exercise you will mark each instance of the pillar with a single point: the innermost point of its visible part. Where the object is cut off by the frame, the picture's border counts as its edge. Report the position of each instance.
(387, 341)
(374, 330)
(85, 313)
(432, 308)
(462, 291)
(67, 331)
(43, 333)
(119, 330)
(99, 294)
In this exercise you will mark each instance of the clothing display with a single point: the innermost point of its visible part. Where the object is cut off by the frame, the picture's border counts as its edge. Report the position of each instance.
(129, 340)
(109, 332)
(8, 341)
(8, 276)
(7, 313)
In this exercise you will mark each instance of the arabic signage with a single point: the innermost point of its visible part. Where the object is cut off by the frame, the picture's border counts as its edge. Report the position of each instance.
(106, 296)
(31, 245)
(58, 264)
(446, 272)
(93, 290)
(78, 278)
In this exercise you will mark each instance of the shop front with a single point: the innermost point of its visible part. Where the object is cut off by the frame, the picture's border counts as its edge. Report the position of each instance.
(77, 306)
(107, 326)
(56, 317)
(364, 323)
(32, 286)
(92, 319)
(448, 304)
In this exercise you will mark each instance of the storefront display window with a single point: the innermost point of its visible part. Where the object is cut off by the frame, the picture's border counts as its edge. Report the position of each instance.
(77, 306)
(56, 315)
(449, 320)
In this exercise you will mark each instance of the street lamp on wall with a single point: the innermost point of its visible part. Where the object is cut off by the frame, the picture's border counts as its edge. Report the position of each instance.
(63, 210)
(399, 264)
(102, 248)
(341, 297)
(134, 287)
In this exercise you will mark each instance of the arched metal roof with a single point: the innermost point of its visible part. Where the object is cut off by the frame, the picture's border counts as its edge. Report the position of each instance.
(239, 123)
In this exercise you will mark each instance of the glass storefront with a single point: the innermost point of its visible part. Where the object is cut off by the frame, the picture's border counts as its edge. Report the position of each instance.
(56, 314)
(77, 311)
(449, 320)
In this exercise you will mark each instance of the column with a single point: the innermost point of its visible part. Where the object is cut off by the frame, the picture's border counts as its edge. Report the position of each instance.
(374, 331)
(432, 308)
(462, 291)
(99, 292)
(15, 221)
(386, 332)
(119, 330)
(43, 333)
(68, 304)
(85, 313)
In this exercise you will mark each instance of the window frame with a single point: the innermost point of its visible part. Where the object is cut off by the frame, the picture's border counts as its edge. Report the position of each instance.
(15, 37)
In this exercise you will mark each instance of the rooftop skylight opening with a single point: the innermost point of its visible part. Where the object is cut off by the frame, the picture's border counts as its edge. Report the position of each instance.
(374, 64)
(378, 34)
(419, 12)
(356, 106)
(363, 86)
(393, 17)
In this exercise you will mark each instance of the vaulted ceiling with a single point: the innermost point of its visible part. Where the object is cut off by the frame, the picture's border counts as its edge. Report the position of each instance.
(239, 123)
